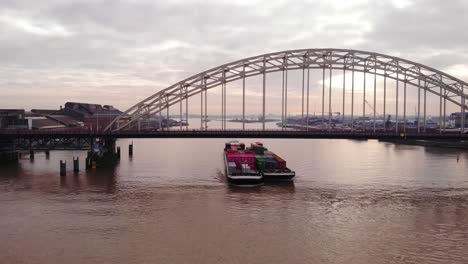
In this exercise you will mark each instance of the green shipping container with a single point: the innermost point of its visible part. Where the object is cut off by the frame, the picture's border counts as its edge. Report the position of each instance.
(260, 163)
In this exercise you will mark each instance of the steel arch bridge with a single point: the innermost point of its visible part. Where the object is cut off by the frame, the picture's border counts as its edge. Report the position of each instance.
(403, 72)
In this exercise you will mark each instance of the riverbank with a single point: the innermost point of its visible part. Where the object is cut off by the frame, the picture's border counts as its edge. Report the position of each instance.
(430, 143)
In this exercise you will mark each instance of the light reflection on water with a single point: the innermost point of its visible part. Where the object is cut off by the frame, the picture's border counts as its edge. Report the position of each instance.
(352, 202)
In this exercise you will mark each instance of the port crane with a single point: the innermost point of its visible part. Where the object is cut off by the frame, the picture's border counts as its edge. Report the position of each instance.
(370, 106)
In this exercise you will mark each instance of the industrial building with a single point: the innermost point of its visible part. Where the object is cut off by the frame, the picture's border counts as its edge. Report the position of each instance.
(12, 119)
(456, 119)
(94, 116)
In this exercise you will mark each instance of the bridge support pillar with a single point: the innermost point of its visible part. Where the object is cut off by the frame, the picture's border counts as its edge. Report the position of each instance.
(109, 145)
(63, 167)
(47, 154)
(102, 154)
(31, 154)
(130, 149)
(88, 163)
(118, 152)
(76, 164)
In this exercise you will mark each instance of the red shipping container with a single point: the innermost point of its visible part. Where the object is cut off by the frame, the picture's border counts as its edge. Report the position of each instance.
(239, 164)
(240, 158)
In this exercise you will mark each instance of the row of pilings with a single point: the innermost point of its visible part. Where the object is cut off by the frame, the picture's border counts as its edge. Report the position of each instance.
(63, 166)
(103, 154)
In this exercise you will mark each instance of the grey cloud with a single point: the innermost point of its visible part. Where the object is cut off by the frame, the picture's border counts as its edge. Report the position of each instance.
(424, 28)
(139, 47)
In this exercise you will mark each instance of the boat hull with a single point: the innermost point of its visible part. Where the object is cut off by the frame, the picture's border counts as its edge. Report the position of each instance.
(281, 176)
(248, 181)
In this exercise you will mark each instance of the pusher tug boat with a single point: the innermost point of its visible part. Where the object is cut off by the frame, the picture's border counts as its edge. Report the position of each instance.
(240, 165)
(250, 166)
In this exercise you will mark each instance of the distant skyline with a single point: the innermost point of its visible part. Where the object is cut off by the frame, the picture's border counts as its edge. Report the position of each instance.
(120, 52)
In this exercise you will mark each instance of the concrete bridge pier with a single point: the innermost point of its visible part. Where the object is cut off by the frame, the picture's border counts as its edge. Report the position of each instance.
(102, 154)
(88, 160)
(109, 145)
(76, 164)
(63, 167)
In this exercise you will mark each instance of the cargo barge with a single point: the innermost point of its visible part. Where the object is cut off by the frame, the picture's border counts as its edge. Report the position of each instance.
(272, 166)
(253, 165)
(240, 165)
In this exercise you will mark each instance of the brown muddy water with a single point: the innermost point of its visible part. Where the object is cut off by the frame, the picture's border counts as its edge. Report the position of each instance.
(351, 202)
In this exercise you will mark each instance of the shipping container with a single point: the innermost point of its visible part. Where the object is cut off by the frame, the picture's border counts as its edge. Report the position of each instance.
(241, 158)
(271, 164)
(245, 168)
(260, 162)
(258, 149)
(281, 162)
(241, 154)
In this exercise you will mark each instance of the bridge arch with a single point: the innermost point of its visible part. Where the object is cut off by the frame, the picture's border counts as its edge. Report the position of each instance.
(445, 86)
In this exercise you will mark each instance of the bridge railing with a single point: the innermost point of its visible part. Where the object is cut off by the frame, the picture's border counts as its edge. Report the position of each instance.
(18, 133)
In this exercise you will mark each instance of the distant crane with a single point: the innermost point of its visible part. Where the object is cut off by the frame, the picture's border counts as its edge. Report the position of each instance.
(377, 113)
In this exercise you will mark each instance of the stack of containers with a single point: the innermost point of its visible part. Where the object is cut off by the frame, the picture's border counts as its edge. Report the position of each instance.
(235, 146)
(265, 160)
(241, 158)
(270, 164)
(281, 162)
(227, 146)
(258, 149)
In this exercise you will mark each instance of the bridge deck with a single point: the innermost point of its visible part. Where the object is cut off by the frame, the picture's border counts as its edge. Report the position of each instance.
(22, 134)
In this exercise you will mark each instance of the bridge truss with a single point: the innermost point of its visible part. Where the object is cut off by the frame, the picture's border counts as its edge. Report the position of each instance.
(403, 72)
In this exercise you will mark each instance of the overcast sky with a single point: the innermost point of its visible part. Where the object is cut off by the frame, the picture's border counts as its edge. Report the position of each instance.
(119, 52)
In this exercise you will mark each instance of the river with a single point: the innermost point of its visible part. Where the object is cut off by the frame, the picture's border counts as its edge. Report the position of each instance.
(351, 202)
